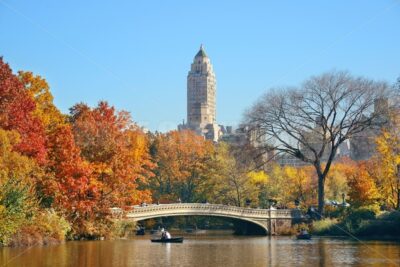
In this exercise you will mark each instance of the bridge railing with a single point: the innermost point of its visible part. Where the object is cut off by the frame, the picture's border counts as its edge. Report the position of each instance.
(204, 209)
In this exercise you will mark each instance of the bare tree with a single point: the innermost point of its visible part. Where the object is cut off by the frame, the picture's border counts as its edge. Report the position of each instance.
(310, 122)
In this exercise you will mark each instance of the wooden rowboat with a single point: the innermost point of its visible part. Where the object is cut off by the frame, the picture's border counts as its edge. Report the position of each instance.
(168, 240)
(304, 236)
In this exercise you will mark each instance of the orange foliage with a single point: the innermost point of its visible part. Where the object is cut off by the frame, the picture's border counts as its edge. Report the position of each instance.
(182, 158)
(362, 189)
(117, 150)
(73, 190)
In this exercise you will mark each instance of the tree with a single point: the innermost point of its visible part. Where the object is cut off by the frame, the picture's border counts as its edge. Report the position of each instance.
(183, 161)
(277, 189)
(74, 191)
(16, 113)
(17, 195)
(39, 91)
(259, 181)
(387, 161)
(227, 182)
(298, 186)
(362, 189)
(117, 150)
(310, 122)
(337, 182)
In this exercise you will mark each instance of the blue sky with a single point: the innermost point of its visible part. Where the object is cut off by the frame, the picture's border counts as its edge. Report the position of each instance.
(136, 54)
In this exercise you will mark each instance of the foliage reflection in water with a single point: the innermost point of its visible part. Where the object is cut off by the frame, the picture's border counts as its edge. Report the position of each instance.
(208, 250)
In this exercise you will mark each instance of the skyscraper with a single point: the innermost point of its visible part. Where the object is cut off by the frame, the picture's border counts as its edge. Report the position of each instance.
(201, 90)
(201, 97)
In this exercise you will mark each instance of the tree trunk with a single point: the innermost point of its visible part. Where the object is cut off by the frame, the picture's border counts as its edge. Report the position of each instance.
(321, 195)
(398, 195)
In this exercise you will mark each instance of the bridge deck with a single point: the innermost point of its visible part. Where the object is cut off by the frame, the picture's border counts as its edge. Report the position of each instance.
(138, 212)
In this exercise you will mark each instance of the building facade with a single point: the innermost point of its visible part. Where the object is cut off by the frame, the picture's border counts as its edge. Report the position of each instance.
(201, 98)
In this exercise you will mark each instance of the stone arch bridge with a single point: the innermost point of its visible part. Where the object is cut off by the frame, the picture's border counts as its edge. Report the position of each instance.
(272, 221)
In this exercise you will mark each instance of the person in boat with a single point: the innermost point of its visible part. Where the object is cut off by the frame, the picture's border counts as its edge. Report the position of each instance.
(303, 231)
(163, 233)
(167, 235)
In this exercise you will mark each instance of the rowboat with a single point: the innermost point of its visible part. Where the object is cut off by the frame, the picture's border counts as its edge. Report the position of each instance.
(304, 236)
(140, 231)
(168, 240)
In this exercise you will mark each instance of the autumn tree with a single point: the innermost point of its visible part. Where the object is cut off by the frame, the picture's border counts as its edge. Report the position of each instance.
(39, 90)
(117, 150)
(310, 122)
(74, 190)
(362, 189)
(298, 186)
(183, 160)
(386, 163)
(230, 182)
(336, 184)
(16, 113)
(259, 182)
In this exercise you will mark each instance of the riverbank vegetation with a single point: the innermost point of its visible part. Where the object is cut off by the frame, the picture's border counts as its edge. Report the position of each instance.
(61, 173)
(362, 223)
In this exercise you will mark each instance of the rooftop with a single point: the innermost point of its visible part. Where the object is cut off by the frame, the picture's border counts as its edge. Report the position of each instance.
(201, 52)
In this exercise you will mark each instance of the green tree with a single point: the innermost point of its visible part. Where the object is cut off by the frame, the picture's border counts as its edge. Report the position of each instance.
(18, 202)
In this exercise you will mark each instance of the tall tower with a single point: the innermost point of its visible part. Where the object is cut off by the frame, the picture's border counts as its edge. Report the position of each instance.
(201, 93)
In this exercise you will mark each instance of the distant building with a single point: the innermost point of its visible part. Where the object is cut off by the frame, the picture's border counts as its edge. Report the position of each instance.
(363, 144)
(289, 160)
(201, 98)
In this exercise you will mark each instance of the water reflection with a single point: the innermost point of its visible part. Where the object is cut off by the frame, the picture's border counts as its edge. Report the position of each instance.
(208, 251)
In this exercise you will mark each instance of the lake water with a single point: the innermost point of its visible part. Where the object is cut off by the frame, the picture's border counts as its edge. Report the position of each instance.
(207, 250)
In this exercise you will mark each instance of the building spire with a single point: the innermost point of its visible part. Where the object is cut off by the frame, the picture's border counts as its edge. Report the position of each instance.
(201, 52)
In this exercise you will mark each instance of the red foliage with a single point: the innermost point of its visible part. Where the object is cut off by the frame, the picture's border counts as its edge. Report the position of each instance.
(117, 150)
(73, 189)
(16, 108)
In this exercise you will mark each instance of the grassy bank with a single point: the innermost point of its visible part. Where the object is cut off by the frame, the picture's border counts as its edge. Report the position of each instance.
(363, 223)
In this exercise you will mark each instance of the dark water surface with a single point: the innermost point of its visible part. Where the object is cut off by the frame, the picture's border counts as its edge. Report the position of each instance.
(207, 250)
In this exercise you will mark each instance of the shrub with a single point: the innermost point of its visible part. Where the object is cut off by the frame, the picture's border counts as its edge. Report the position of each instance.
(51, 224)
(123, 228)
(17, 206)
(364, 213)
(390, 216)
(335, 212)
(358, 218)
(92, 228)
(387, 224)
(46, 227)
(324, 227)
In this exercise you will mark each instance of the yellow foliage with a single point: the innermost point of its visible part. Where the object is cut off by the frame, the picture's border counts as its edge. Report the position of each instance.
(385, 166)
(39, 90)
(13, 164)
(258, 177)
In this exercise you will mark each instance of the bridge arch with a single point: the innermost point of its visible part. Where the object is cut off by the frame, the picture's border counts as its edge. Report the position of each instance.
(264, 218)
(261, 224)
